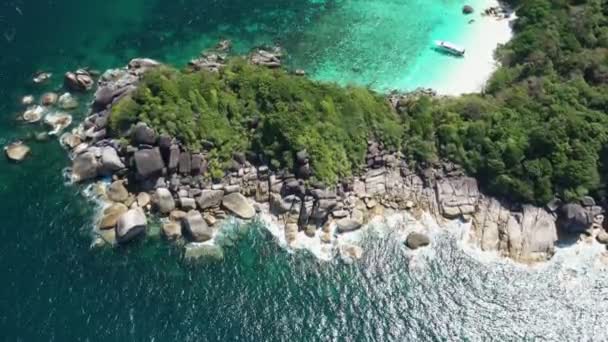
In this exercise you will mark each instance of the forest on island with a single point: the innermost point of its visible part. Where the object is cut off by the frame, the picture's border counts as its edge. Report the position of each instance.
(538, 130)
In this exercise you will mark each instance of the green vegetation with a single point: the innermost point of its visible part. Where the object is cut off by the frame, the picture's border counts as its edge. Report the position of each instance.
(269, 112)
(541, 127)
(539, 130)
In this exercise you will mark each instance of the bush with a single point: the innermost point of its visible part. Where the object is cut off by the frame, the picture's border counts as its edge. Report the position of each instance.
(269, 112)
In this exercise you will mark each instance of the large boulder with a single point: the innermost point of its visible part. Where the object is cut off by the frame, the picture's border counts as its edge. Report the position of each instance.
(416, 240)
(110, 161)
(103, 97)
(196, 226)
(323, 207)
(142, 134)
(16, 151)
(203, 252)
(111, 216)
(210, 198)
(131, 225)
(574, 219)
(149, 163)
(172, 230)
(238, 205)
(117, 192)
(165, 201)
(84, 167)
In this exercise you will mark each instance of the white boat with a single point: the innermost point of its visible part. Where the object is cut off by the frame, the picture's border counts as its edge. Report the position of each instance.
(449, 47)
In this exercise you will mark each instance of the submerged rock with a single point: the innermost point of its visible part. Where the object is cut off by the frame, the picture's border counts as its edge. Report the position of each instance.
(27, 100)
(41, 77)
(467, 9)
(204, 252)
(416, 240)
(350, 253)
(49, 99)
(16, 151)
(58, 121)
(67, 101)
(33, 114)
(238, 205)
(131, 225)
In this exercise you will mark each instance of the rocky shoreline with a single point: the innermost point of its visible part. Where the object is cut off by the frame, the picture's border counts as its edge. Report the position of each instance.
(154, 175)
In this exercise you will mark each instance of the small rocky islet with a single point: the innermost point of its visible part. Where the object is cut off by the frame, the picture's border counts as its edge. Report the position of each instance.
(154, 174)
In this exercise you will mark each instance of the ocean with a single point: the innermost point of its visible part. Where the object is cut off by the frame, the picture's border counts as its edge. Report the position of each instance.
(55, 288)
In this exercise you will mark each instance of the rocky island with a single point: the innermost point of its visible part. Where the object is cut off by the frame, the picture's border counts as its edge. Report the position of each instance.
(236, 136)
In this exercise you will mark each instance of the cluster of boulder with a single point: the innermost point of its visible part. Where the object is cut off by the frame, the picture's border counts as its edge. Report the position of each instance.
(154, 174)
(79, 80)
(498, 12)
(270, 58)
(212, 60)
(51, 109)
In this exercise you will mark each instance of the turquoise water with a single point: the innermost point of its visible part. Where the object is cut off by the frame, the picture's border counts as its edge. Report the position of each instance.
(54, 288)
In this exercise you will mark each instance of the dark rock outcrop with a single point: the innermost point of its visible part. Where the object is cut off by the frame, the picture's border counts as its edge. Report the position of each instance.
(574, 219)
(148, 163)
(142, 134)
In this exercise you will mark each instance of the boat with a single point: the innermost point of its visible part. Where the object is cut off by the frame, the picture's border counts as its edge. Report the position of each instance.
(449, 47)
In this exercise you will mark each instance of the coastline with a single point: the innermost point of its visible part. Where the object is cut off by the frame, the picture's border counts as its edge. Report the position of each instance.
(148, 176)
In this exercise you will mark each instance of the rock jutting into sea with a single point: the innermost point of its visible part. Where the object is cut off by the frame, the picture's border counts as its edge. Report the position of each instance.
(155, 174)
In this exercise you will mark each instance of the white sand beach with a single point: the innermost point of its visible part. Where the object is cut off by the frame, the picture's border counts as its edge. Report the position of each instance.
(469, 74)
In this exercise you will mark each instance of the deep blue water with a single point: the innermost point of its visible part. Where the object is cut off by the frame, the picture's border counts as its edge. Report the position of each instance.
(54, 288)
